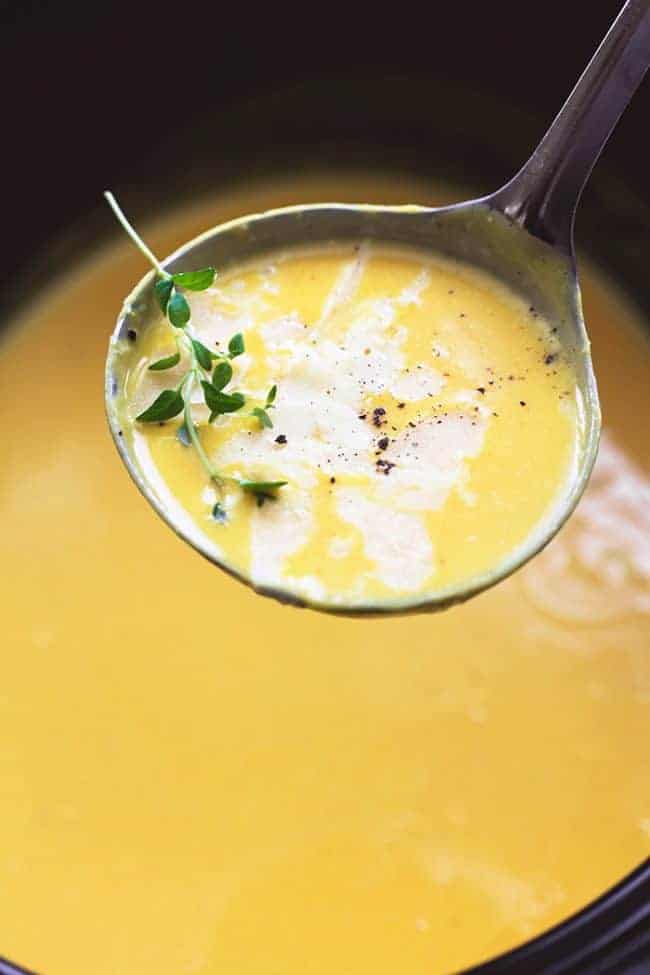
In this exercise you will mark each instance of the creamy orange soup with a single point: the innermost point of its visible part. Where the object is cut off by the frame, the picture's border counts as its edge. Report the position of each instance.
(426, 422)
(196, 781)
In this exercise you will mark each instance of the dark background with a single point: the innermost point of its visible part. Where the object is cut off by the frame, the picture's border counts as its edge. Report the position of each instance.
(160, 102)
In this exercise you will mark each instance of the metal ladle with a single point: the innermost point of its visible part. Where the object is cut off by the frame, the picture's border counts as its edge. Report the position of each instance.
(522, 234)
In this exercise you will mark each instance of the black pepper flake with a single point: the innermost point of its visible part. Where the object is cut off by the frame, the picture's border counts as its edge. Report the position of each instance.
(400, 406)
(281, 438)
(480, 389)
(411, 424)
(550, 358)
(131, 335)
(384, 467)
(383, 443)
(119, 433)
(522, 402)
(362, 416)
(332, 480)
(377, 416)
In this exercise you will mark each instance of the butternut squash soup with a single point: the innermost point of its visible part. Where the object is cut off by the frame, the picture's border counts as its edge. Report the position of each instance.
(197, 781)
(422, 422)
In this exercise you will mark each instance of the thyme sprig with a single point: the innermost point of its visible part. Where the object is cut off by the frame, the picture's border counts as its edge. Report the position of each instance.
(210, 370)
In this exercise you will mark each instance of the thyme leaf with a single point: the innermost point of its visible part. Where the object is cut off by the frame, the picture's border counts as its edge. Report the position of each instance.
(178, 310)
(203, 354)
(167, 363)
(236, 345)
(163, 290)
(222, 374)
(165, 406)
(218, 402)
(263, 417)
(262, 490)
(195, 280)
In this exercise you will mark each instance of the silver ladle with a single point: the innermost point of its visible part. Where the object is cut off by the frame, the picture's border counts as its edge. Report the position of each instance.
(522, 234)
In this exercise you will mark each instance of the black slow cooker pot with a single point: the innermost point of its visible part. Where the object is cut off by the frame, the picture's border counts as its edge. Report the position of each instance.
(163, 104)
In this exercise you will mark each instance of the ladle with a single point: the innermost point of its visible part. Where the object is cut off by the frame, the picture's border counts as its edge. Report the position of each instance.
(522, 234)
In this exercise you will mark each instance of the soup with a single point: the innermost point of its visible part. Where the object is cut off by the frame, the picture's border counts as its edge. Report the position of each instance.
(425, 423)
(196, 781)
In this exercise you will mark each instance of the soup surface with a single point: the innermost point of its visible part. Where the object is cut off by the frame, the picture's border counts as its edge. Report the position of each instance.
(196, 781)
(425, 420)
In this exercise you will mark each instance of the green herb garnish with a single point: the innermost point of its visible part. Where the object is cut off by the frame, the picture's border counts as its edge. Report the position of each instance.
(261, 412)
(172, 402)
(203, 354)
(164, 407)
(219, 402)
(178, 310)
(163, 290)
(236, 345)
(195, 280)
(221, 375)
(263, 417)
(167, 363)
(262, 490)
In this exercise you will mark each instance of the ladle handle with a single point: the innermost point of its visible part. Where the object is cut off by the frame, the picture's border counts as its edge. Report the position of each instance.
(544, 194)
